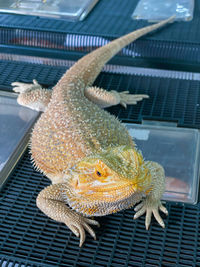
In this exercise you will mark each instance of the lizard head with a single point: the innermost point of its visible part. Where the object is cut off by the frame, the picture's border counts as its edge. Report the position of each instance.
(107, 182)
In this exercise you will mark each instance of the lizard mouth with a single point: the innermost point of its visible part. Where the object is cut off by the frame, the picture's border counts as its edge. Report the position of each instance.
(95, 201)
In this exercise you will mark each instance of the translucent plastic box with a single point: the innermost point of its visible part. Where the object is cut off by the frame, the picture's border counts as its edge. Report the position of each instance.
(71, 10)
(155, 10)
(177, 150)
(15, 124)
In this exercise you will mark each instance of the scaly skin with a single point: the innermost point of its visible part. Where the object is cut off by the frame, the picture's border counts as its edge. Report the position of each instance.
(88, 154)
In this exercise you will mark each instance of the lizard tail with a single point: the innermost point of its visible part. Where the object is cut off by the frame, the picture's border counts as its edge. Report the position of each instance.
(89, 66)
(116, 45)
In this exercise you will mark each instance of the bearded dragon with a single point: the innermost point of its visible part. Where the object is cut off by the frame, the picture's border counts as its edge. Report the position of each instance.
(93, 163)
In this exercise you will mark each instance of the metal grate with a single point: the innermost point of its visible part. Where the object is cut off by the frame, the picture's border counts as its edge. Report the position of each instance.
(29, 238)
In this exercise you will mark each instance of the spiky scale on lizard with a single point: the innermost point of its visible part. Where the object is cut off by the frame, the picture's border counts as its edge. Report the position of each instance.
(86, 152)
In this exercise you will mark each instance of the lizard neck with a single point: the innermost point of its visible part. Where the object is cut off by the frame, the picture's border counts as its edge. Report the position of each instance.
(92, 206)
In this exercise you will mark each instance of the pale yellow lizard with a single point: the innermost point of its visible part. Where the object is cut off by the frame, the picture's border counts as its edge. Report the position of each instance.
(87, 153)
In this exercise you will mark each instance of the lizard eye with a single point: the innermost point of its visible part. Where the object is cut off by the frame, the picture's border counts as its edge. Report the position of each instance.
(98, 173)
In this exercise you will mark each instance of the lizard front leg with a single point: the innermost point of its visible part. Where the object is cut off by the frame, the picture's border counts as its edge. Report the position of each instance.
(32, 95)
(51, 202)
(106, 99)
(152, 203)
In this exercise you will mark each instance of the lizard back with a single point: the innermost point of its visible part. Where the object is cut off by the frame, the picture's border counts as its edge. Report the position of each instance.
(72, 127)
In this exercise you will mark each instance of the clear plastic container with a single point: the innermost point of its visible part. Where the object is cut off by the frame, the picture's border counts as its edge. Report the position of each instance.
(155, 10)
(177, 150)
(72, 10)
(15, 124)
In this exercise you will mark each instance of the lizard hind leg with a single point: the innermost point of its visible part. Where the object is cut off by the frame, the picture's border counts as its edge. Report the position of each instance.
(106, 99)
(152, 204)
(32, 95)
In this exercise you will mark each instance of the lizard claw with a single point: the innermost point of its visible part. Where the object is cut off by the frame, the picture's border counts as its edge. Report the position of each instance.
(130, 99)
(78, 225)
(150, 207)
(20, 87)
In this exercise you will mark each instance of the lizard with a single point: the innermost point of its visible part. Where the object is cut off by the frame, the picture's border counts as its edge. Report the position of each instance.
(87, 153)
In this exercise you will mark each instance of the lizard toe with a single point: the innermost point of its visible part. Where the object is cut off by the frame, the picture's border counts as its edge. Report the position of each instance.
(78, 225)
(140, 212)
(78, 230)
(148, 218)
(130, 99)
(82, 236)
(138, 207)
(20, 87)
(89, 230)
(74, 230)
(150, 207)
(93, 222)
(158, 218)
(163, 209)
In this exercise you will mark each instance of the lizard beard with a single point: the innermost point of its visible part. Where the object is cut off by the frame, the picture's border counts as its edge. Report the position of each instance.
(95, 204)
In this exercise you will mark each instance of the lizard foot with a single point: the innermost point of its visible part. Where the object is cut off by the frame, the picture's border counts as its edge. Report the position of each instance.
(130, 99)
(32, 95)
(150, 207)
(79, 224)
(19, 87)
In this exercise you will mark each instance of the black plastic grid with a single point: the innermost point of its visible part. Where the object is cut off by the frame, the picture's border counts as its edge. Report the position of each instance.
(142, 48)
(28, 237)
(174, 100)
(9, 262)
(109, 19)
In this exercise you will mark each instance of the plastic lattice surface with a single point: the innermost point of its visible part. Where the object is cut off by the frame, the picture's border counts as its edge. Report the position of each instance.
(29, 238)
(109, 19)
(174, 100)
